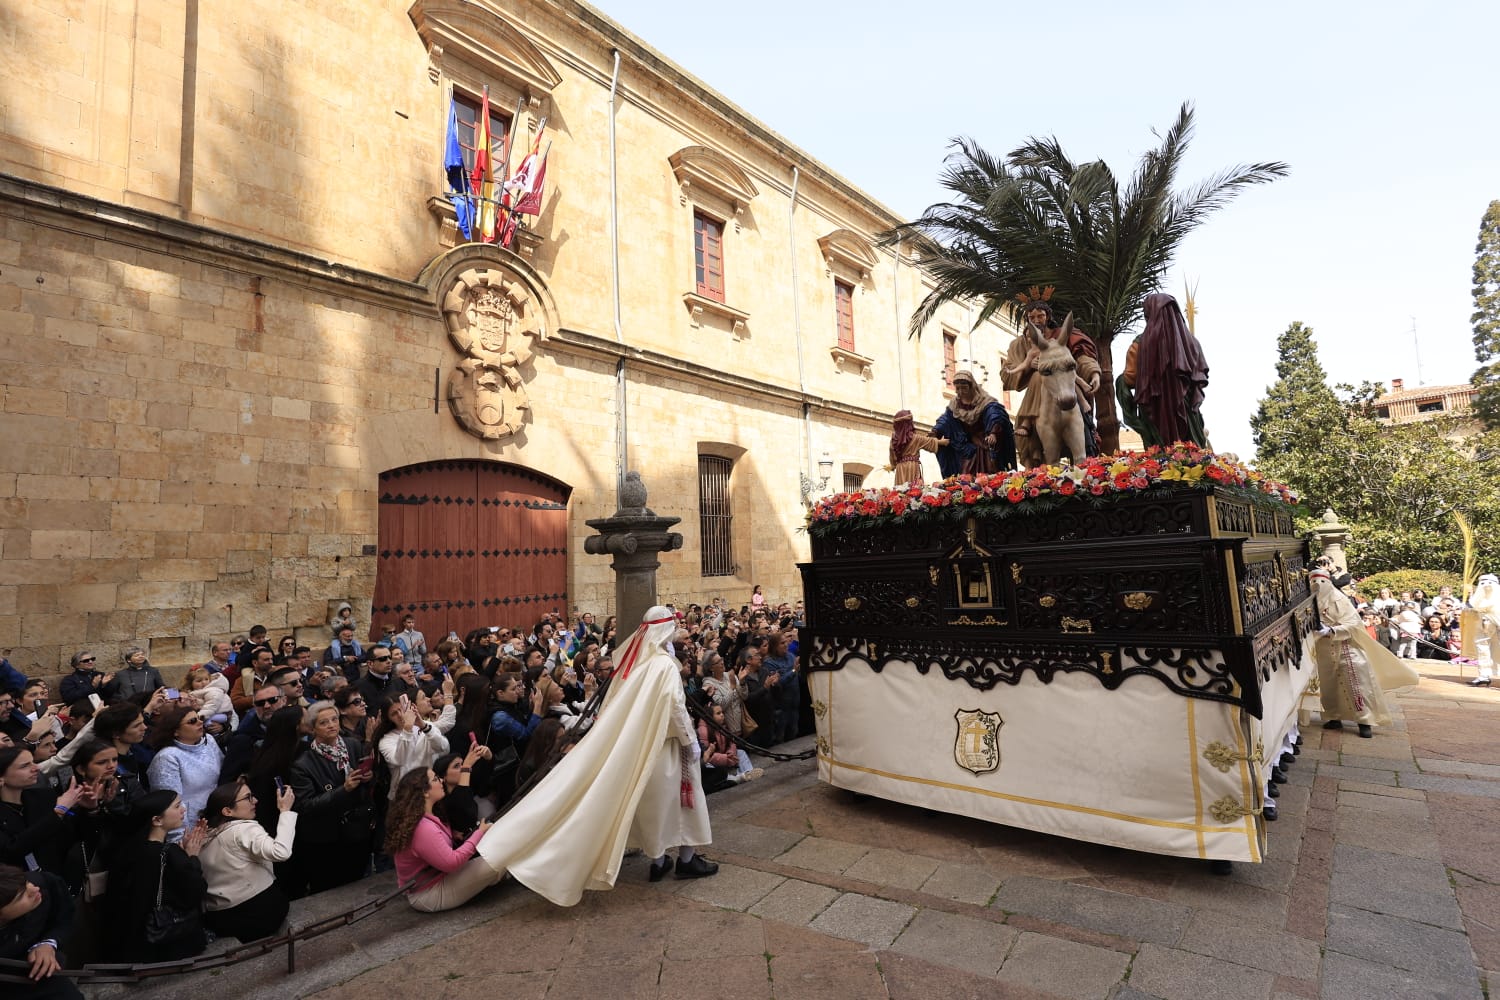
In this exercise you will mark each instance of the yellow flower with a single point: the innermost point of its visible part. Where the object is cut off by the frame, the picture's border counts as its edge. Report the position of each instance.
(1170, 475)
(1193, 475)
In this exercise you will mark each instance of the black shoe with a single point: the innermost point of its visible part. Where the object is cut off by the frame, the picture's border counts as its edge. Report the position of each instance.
(1286, 760)
(699, 867)
(1221, 867)
(1273, 792)
(659, 871)
(1278, 776)
(1297, 749)
(1480, 682)
(1333, 724)
(1364, 731)
(1268, 810)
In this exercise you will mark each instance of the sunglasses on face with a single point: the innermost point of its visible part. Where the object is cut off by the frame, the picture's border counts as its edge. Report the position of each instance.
(87, 659)
(381, 659)
(263, 702)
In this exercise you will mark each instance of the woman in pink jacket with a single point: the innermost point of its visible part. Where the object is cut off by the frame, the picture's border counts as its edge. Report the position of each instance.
(422, 844)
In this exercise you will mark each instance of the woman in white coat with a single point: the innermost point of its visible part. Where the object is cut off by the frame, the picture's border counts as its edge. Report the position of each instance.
(243, 899)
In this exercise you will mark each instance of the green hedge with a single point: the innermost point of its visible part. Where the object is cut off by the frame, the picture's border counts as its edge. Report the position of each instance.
(1410, 579)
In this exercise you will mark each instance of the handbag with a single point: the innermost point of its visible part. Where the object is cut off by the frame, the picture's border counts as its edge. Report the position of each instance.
(95, 884)
(356, 825)
(165, 926)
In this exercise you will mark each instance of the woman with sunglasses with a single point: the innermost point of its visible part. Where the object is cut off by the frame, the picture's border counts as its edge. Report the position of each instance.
(187, 761)
(244, 899)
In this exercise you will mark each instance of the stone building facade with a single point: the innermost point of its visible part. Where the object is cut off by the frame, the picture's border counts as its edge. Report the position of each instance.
(234, 307)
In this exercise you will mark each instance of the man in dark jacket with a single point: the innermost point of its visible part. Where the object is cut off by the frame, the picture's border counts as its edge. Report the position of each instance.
(380, 683)
(252, 730)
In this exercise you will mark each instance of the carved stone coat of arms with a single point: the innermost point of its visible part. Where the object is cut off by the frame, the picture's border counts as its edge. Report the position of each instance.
(493, 322)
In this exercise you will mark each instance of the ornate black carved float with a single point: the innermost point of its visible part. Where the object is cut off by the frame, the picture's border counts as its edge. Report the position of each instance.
(1202, 589)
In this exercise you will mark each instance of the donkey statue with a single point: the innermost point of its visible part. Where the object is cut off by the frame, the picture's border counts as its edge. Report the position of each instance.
(1059, 421)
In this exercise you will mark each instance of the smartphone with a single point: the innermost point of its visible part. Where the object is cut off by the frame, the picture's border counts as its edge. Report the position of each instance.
(39, 707)
(473, 740)
(280, 786)
(367, 766)
(173, 694)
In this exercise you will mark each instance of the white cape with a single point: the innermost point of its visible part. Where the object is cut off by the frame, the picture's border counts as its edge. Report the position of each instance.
(620, 786)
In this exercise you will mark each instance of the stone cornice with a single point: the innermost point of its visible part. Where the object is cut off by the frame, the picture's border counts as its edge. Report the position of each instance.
(644, 358)
(134, 227)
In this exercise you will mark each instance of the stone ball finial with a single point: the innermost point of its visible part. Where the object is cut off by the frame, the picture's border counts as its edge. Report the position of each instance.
(632, 492)
(1329, 517)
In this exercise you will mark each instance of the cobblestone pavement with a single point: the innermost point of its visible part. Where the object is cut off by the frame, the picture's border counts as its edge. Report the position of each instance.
(1383, 880)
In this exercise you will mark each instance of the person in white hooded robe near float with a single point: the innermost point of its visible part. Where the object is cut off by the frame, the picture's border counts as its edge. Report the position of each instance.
(632, 781)
(1480, 627)
(1354, 671)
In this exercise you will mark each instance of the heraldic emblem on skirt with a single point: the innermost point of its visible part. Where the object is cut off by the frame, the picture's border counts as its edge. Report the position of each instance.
(977, 746)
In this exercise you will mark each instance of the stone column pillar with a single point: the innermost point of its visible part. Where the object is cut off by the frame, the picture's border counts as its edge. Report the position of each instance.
(634, 536)
(1332, 537)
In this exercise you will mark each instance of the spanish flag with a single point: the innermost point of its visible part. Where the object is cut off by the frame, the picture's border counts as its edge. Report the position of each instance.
(483, 179)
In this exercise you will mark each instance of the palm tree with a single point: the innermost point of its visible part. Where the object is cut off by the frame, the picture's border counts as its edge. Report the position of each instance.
(1036, 218)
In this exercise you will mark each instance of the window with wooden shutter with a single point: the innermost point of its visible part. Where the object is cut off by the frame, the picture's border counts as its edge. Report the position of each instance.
(467, 112)
(708, 256)
(714, 516)
(950, 358)
(843, 309)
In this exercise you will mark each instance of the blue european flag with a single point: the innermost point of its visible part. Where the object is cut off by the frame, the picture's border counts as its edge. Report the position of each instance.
(458, 179)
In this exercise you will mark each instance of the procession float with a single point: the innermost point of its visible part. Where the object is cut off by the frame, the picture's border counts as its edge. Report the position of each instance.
(1109, 651)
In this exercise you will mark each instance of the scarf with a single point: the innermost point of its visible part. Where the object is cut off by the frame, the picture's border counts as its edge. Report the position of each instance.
(336, 753)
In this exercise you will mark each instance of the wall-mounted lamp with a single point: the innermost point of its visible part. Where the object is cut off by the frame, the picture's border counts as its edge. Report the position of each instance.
(825, 472)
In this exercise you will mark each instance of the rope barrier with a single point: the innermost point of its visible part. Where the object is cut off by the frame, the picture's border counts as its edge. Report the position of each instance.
(115, 972)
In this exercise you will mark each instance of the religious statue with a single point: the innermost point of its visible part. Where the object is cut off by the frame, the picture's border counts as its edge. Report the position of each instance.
(1161, 390)
(1354, 671)
(907, 447)
(976, 423)
(1020, 365)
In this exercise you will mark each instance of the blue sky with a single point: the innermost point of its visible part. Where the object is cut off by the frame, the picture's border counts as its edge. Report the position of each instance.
(1385, 111)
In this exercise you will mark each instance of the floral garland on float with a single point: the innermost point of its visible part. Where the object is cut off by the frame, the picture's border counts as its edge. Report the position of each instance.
(1099, 480)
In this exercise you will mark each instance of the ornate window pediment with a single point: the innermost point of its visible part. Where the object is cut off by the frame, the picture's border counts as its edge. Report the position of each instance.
(479, 35)
(844, 249)
(698, 168)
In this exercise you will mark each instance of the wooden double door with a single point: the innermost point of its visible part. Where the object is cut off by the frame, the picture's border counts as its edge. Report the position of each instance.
(466, 544)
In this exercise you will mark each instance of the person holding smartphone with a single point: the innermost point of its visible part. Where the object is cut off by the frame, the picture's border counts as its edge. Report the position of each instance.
(244, 900)
(331, 780)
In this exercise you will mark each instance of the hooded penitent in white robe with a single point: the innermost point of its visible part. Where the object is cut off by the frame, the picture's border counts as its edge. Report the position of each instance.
(1479, 625)
(623, 785)
(1354, 671)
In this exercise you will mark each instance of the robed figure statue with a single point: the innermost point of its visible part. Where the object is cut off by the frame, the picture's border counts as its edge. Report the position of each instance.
(979, 433)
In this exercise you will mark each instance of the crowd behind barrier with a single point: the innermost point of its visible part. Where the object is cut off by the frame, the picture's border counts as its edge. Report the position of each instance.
(140, 820)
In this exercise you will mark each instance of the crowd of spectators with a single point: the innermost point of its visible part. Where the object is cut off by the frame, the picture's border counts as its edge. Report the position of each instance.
(1412, 624)
(139, 819)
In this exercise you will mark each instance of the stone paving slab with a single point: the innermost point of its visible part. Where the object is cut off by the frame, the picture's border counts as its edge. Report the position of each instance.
(1250, 904)
(1491, 771)
(1179, 975)
(1413, 888)
(1366, 774)
(870, 921)
(1224, 937)
(895, 868)
(1389, 790)
(734, 888)
(1095, 909)
(1403, 944)
(1348, 978)
(977, 946)
(752, 841)
(1087, 972)
(1378, 831)
(962, 883)
(1389, 804)
(819, 854)
(795, 901)
(1458, 786)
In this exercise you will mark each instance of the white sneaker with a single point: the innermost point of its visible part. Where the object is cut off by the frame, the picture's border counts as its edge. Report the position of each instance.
(750, 775)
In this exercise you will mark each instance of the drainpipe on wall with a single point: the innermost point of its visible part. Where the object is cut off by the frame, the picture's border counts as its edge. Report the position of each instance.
(791, 228)
(621, 439)
(896, 305)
